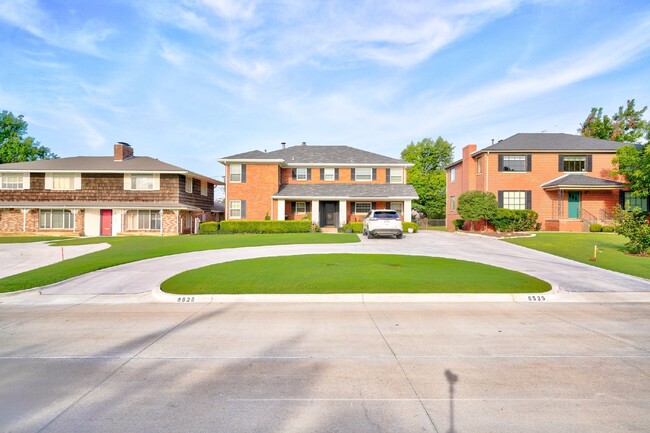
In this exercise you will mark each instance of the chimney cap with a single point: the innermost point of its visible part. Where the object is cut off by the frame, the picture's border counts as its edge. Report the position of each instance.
(123, 143)
(304, 143)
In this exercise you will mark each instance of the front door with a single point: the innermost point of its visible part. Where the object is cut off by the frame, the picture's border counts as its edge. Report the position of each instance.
(329, 213)
(106, 221)
(574, 204)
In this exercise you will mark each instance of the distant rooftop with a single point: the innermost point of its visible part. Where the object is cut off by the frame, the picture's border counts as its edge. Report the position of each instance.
(553, 142)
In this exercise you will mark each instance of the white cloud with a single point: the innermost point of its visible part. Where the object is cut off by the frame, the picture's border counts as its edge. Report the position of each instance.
(172, 53)
(232, 9)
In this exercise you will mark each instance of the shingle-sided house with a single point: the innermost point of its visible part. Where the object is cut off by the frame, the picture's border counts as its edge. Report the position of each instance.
(332, 184)
(565, 178)
(102, 195)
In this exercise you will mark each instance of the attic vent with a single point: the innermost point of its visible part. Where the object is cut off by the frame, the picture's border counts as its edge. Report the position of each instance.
(284, 145)
(304, 143)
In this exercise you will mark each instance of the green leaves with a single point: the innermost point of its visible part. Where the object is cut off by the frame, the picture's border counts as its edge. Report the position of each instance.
(626, 126)
(477, 205)
(14, 147)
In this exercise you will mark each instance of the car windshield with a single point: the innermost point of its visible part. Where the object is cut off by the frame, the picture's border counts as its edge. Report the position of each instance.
(387, 215)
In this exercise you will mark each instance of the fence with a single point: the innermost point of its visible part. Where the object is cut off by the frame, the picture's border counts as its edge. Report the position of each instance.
(426, 222)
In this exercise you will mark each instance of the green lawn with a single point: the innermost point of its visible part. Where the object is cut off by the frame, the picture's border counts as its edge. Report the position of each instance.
(129, 249)
(26, 239)
(580, 247)
(352, 273)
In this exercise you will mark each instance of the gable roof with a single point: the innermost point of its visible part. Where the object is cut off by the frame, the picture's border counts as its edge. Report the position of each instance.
(552, 142)
(316, 155)
(581, 181)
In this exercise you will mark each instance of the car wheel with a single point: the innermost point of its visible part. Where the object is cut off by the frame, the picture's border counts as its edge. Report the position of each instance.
(370, 235)
(398, 236)
(364, 232)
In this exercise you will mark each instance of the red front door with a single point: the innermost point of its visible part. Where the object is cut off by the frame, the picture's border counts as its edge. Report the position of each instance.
(106, 222)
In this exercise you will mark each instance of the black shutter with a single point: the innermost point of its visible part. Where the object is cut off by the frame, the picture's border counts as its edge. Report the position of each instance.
(309, 174)
(352, 174)
(588, 164)
(500, 162)
(243, 173)
(293, 173)
(621, 199)
(308, 206)
(388, 175)
(560, 163)
(322, 174)
(500, 195)
(374, 174)
(529, 162)
(336, 174)
(293, 207)
(529, 200)
(373, 205)
(243, 209)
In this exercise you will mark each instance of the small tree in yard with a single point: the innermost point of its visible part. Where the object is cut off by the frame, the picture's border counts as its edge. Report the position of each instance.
(634, 226)
(477, 205)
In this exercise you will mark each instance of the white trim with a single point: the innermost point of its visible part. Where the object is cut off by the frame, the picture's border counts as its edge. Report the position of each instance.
(343, 212)
(281, 207)
(26, 178)
(315, 211)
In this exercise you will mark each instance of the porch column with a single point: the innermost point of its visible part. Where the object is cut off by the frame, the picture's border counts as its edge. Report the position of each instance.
(25, 219)
(315, 211)
(343, 212)
(177, 215)
(407, 211)
(74, 220)
(281, 204)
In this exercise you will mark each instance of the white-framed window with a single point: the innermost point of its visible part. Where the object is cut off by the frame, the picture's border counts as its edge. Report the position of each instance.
(575, 163)
(63, 181)
(395, 175)
(142, 182)
(363, 174)
(143, 220)
(514, 163)
(235, 173)
(452, 203)
(188, 184)
(301, 207)
(452, 175)
(234, 211)
(301, 174)
(515, 200)
(329, 174)
(13, 181)
(55, 219)
(204, 188)
(396, 206)
(362, 207)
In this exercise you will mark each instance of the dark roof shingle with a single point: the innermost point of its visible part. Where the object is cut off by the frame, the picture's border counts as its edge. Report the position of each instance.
(576, 179)
(553, 142)
(347, 191)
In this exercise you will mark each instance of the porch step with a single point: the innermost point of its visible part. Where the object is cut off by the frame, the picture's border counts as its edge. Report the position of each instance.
(329, 229)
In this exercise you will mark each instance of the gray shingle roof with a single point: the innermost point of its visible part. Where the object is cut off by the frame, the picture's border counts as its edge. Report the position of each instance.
(308, 154)
(347, 191)
(546, 142)
(95, 205)
(582, 180)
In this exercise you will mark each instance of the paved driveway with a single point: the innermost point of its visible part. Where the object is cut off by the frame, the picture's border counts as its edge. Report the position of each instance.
(147, 275)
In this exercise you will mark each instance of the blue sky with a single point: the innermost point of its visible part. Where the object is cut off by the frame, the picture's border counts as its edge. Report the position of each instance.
(190, 81)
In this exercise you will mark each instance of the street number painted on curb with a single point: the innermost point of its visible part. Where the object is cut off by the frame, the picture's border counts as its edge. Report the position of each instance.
(536, 298)
(185, 299)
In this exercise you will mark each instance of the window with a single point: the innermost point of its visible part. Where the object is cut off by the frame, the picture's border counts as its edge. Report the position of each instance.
(363, 174)
(395, 175)
(479, 165)
(301, 207)
(630, 202)
(396, 206)
(513, 200)
(301, 174)
(452, 203)
(204, 187)
(329, 174)
(62, 181)
(12, 181)
(143, 220)
(452, 175)
(362, 207)
(235, 209)
(142, 182)
(55, 219)
(235, 172)
(188, 184)
(513, 163)
(575, 163)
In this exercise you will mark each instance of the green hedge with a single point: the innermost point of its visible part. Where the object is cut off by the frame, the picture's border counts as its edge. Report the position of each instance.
(608, 229)
(595, 228)
(209, 228)
(228, 227)
(356, 227)
(508, 220)
(406, 226)
(458, 224)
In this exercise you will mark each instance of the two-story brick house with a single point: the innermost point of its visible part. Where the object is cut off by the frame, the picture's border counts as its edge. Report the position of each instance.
(331, 184)
(565, 178)
(102, 195)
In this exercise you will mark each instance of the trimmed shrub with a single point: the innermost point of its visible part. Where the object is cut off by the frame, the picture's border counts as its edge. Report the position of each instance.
(634, 226)
(406, 226)
(608, 229)
(209, 228)
(508, 220)
(458, 224)
(595, 228)
(228, 227)
(356, 227)
(267, 217)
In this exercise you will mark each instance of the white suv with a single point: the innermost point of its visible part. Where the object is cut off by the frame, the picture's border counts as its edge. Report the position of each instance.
(384, 222)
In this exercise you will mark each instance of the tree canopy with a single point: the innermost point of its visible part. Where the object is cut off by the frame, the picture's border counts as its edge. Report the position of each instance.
(477, 205)
(15, 146)
(427, 175)
(627, 125)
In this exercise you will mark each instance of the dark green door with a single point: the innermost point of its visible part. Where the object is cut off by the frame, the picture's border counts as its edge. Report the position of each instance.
(574, 204)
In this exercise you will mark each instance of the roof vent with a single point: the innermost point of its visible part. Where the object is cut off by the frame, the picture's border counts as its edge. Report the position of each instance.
(304, 143)
(284, 145)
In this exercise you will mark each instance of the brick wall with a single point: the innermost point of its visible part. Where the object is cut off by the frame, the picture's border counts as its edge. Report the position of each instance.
(262, 181)
(11, 221)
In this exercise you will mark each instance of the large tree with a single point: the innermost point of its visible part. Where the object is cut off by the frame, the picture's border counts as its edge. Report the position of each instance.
(15, 146)
(427, 175)
(627, 125)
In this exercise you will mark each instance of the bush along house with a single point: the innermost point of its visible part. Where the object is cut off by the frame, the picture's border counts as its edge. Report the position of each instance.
(565, 178)
(102, 195)
(330, 185)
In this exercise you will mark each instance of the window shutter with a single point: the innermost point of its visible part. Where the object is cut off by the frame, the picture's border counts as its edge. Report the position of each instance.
(293, 207)
(309, 174)
(529, 200)
(156, 181)
(322, 174)
(560, 164)
(621, 199)
(373, 204)
(353, 174)
(374, 174)
(243, 173)
(127, 181)
(500, 162)
(500, 195)
(388, 175)
(77, 181)
(25, 180)
(49, 181)
(243, 209)
(336, 174)
(308, 206)
(588, 163)
(529, 162)
(293, 173)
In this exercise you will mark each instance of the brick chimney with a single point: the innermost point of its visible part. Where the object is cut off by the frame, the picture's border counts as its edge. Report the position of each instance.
(122, 151)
